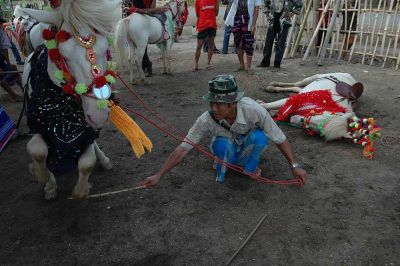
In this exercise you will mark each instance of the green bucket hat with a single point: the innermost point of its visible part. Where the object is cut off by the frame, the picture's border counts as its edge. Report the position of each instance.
(223, 89)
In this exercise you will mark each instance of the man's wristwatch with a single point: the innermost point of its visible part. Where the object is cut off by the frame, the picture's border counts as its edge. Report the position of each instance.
(296, 165)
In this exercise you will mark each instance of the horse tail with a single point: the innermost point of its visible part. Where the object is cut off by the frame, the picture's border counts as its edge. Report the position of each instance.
(121, 42)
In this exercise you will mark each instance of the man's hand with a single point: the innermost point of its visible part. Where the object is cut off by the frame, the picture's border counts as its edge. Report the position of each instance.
(253, 29)
(300, 174)
(151, 181)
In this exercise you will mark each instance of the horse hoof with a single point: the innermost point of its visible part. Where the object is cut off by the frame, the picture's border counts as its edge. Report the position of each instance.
(50, 191)
(79, 194)
(50, 195)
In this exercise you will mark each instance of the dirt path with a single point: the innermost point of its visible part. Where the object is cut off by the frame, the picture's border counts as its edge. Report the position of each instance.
(348, 213)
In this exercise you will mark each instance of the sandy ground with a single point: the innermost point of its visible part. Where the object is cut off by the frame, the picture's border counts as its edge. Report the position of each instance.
(347, 214)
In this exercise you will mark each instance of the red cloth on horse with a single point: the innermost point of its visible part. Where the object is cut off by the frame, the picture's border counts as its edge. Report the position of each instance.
(318, 101)
(140, 4)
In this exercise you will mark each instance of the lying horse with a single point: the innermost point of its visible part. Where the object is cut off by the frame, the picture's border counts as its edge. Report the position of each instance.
(67, 105)
(324, 106)
(136, 31)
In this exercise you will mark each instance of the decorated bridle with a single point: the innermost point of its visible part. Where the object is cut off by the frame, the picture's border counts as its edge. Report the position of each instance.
(102, 83)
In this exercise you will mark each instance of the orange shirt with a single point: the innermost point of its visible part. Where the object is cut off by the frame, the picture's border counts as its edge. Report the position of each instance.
(206, 14)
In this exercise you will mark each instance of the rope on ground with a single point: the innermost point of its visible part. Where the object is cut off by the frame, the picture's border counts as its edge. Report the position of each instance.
(247, 240)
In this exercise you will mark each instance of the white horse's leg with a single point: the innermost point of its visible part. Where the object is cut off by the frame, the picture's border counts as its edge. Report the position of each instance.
(86, 163)
(301, 83)
(37, 149)
(50, 189)
(168, 47)
(282, 89)
(103, 159)
(274, 105)
(140, 52)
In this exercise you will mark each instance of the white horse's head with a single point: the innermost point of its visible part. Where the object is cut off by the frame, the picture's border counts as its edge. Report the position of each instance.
(177, 7)
(83, 27)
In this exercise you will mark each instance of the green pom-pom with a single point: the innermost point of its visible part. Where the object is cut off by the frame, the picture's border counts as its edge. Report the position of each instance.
(48, 9)
(102, 104)
(111, 65)
(110, 41)
(59, 74)
(81, 88)
(51, 44)
(110, 79)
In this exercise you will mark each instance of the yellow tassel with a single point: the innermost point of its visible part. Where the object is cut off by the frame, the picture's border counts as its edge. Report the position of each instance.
(138, 139)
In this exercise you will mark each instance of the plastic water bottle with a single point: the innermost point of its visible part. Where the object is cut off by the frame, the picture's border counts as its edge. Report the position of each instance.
(194, 31)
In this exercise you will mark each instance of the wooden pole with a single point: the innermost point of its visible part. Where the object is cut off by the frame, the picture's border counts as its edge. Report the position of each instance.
(398, 61)
(386, 27)
(303, 24)
(373, 55)
(365, 50)
(328, 35)
(247, 239)
(289, 40)
(374, 27)
(363, 20)
(387, 52)
(352, 49)
(348, 33)
(316, 31)
(396, 39)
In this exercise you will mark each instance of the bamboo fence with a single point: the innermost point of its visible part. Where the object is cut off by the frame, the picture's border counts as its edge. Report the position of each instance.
(363, 31)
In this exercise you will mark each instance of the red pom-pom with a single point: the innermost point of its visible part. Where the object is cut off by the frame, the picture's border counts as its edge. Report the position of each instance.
(54, 54)
(69, 89)
(100, 82)
(47, 34)
(55, 3)
(62, 36)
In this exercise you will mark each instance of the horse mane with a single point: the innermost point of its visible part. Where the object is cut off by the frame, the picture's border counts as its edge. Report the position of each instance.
(337, 127)
(91, 15)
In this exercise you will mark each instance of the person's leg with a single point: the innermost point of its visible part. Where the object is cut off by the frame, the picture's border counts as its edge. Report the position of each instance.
(224, 149)
(16, 97)
(248, 46)
(238, 36)
(281, 46)
(205, 46)
(200, 43)
(254, 144)
(15, 52)
(211, 45)
(267, 51)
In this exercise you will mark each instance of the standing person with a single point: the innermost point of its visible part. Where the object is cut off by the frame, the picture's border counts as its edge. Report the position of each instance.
(206, 12)
(144, 7)
(227, 31)
(241, 129)
(242, 17)
(279, 13)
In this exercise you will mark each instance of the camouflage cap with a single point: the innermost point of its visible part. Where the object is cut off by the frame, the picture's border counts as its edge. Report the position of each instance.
(223, 88)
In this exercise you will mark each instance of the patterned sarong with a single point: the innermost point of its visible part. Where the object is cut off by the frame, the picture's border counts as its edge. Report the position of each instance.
(243, 37)
(7, 128)
(245, 151)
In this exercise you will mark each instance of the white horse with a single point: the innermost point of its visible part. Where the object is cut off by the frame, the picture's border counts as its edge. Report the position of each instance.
(28, 31)
(71, 135)
(136, 31)
(329, 114)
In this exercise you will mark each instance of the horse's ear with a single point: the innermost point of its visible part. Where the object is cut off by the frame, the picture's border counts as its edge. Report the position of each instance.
(49, 17)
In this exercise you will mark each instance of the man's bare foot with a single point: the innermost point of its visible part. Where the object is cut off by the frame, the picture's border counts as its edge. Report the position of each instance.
(194, 69)
(209, 67)
(239, 69)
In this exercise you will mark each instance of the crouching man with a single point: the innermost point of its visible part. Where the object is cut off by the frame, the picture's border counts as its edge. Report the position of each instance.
(241, 131)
